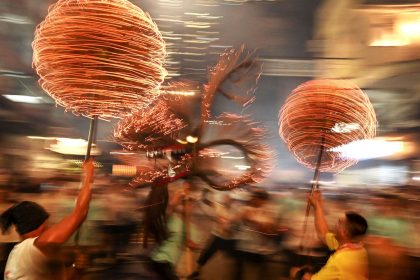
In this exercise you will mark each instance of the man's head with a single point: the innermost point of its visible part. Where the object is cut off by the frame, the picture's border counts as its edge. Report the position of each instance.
(352, 226)
(27, 216)
(259, 197)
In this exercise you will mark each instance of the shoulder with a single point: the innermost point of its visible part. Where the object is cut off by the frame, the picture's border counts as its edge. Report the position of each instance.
(23, 256)
(331, 241)
(351, 250)
(30, 250)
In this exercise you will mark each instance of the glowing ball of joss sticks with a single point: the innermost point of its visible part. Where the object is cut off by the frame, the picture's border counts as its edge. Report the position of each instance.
(152, 128)
(99, 57)
(330, 113)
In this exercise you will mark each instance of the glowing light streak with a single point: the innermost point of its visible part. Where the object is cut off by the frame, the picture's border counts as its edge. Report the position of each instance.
(369, 148)
(99, 58)
(208, 32)
(16, 19)
(41, 138)
(208, 4)
(191, 139)
(211, 17)
(157, 130)
(345, 127)
(242, 167)
(310, 113)
(389, 41)
(247, 136)
(194, 60)
(195, 25)
(24, 98)
(142, 129)
(230, 62)
(185, 93)
(172, 38)
(196, 14)
(191, 54)
(196, 41)
(195, 69)
(231, 157)
(195, 48)
(70, 146)
(172, 62)
(121, 153)
(169, 20)
(220, 46)
(214, 122)
(208, 39)
(410, 29)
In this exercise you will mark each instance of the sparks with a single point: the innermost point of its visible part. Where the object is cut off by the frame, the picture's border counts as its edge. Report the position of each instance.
(314, 111)
(99, 57)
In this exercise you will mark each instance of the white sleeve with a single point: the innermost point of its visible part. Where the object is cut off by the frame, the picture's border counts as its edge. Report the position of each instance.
(25, 259)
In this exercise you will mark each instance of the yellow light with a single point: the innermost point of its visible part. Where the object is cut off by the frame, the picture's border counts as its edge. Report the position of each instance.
(409, 29)
(123, 170)
(390, 40)
(370, 148)
(183, 93)
(242, 167)
(192, 139)
(182, 142)
(41, 138)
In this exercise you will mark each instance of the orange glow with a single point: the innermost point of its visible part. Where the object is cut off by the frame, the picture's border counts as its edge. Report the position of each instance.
(160, 128)
(151, 128)
(236, 67)
(99, 58)
(245, 135)
(336, 110)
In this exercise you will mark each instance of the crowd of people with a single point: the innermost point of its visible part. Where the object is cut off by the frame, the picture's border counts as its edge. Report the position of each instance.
(346, 238)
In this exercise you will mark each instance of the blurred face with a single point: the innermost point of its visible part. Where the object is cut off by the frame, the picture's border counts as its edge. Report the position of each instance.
(341, 227)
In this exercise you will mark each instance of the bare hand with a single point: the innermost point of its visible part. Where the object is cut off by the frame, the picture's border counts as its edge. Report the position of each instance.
(316, 199)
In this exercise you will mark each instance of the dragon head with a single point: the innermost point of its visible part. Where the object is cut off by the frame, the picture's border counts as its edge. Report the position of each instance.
(178, 136)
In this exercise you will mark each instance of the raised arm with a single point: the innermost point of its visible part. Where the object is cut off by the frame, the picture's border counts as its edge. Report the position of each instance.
(61, 232)
(321, 225)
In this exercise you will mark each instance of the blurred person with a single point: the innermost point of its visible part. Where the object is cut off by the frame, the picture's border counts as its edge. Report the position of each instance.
(254, 240)
(349, 260)
(221, 235)
(174, 233)
(9, 239)
(301, 247)
(391, 237)
(33, 257)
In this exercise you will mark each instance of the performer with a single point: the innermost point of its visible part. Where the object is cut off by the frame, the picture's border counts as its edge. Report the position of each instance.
(254, 239)
(349, 261)
(30, 258)
(165, 257)
(221, 237)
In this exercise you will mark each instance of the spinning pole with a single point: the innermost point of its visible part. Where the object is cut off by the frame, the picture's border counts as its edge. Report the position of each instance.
(313, 188)
(91, 141)
(92, 135)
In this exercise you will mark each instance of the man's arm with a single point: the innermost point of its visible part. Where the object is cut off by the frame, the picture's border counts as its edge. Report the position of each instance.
(61, 232)
(321, 225)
